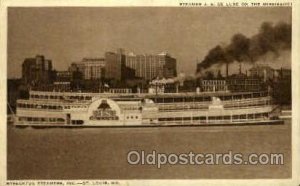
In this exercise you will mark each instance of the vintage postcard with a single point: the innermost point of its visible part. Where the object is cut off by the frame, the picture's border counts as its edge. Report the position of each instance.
(150, 93)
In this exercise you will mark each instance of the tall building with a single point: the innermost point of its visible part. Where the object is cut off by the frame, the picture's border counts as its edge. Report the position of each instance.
(243, 83)
(63, 76)
(91, 68)
(283, 73)
(213, 85)
(94, 68)
(152, 66)
(115, 65)
(37, 71)
(262, 71)
(282, 87)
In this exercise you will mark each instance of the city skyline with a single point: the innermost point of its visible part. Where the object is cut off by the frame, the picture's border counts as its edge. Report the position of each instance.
(66, 35)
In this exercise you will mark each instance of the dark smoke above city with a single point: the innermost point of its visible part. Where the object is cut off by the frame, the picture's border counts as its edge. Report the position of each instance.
(271, 38)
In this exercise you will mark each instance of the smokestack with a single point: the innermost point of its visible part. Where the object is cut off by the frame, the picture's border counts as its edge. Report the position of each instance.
(240, 68)
(138, 90)
(227, 65)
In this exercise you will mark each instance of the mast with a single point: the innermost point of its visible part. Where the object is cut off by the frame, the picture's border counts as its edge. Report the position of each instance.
(11, 110)
(13, 113)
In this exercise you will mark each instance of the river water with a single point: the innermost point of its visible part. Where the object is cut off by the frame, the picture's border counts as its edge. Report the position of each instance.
(101, 153)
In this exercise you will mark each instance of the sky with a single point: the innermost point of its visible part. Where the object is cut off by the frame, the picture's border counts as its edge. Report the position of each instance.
(67, 35)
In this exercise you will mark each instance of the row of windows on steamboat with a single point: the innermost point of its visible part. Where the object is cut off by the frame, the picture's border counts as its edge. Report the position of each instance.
(205, 98)
(36, 96)
(161, 99)
(205, 106)
(50, 107)
(218, 118)
(40, 119)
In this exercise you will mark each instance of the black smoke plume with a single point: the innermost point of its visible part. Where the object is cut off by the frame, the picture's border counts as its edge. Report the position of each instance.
(271, 38)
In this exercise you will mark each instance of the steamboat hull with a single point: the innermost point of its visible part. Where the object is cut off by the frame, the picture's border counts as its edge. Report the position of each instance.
(163, 124)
